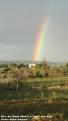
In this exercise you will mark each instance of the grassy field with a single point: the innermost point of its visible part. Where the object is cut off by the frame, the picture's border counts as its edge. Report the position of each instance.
(33, 95)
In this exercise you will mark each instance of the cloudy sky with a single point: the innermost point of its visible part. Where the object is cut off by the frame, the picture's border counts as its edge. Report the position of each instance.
(19, 24)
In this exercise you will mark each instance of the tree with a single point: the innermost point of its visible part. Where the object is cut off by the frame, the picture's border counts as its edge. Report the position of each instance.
(16, 76)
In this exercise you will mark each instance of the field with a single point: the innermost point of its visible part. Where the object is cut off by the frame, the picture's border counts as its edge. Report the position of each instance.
(33, 91)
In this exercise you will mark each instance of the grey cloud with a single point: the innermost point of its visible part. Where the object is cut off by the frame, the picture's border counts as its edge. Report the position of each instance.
(19, 24)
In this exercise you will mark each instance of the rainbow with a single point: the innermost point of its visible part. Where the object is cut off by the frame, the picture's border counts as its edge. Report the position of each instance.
(40, 39)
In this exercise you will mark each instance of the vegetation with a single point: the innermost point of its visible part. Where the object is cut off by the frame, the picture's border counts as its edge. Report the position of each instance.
(41, 84)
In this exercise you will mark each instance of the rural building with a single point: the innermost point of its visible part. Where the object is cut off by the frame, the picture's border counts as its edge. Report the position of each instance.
(32, 66)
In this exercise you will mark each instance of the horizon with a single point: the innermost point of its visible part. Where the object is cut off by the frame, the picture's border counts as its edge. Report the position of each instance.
(33, 61)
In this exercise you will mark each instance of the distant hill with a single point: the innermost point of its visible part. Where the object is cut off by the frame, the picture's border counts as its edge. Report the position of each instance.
(29, 62)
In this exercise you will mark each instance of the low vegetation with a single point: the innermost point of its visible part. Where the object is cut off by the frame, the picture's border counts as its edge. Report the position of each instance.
(41, 84)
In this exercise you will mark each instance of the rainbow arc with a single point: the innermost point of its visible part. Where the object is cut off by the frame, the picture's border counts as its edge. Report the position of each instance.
(40, 40)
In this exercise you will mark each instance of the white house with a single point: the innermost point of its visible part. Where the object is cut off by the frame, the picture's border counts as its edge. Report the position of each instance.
(32, 66)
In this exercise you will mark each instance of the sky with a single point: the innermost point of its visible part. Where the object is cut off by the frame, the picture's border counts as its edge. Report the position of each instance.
(19, 23)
